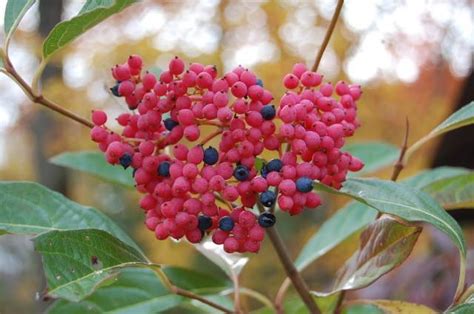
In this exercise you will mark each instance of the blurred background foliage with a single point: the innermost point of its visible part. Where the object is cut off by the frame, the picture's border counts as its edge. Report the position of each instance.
(413, 58)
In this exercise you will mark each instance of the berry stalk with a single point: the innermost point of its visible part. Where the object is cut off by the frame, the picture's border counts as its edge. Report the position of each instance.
(290, 269)
(40, 99)
(329, 32)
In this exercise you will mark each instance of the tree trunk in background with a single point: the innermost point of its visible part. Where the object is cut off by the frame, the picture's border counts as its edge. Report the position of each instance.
(456, 148)
(44, 123)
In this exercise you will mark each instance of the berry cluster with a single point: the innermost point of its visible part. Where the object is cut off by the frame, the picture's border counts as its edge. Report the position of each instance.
(314, 124)
(196, 189)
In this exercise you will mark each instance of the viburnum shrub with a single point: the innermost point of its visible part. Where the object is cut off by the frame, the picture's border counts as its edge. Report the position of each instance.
(197, 189)
(217, 157)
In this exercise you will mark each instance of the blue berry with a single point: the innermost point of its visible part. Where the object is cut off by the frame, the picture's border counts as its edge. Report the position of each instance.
(259, 82)
(211, 156)
(170, 124)
(164, 169)
(241, 173)
(226, 223)
(268, 112)
(268, 198)
(274, 165)
(304, 184)
(115, 91)
(125, 160)
(204, 222)
(266, 220)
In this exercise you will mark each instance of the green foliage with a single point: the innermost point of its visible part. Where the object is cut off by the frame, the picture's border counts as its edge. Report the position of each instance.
(452, 187)
(93, 12)
(30, 208)
(385, 306)
(454, 192)
(14, 12)
(460, 118)
(76, 261)
(384, 245)
(95, 164)
(137, 290)
(375, 155)
(467, 308)
(344, 223)
(295, 305)
(402, 201)
(427, 177)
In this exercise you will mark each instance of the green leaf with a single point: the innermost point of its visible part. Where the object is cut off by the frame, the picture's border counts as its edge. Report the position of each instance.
(76, 261)
(30, 208)
(385, 307)
(427, 177)
(91, 5)
(259, 163)
(296, 306)
(384, 245)
(137, 290)
(196, 281)
(454, 192)
(462, 309)
(92, 14)
(95, 164)
(362, 309)
(462, 117)
(14, 12)
(344, 223)
(402, 201)
(375, 155)
(133, 290)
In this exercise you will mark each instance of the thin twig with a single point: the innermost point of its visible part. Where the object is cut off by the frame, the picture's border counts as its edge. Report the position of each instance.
(398, 167)
(235, 279)
(39, 98)
(211, 136)
(183, 292)
(280, 296)
(290, 268)
(191, 295)
(327, 37)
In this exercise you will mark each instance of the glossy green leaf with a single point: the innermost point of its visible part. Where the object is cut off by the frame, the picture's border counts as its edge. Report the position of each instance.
(452, 187)
(30, 208)
(95, 164)
(76, 261)
(375, 155)
(362, 309)
(259, 163)
(402, 201)
(344, 223)
(454, 192)
(196, 281)
(462, 117)
(385, 307)
(136, 290)
(132, 291)
(384, 245)
(427, 177)
(91, 5)
(467, 308)
(14, 12)
(93, 13)
(293, 305)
